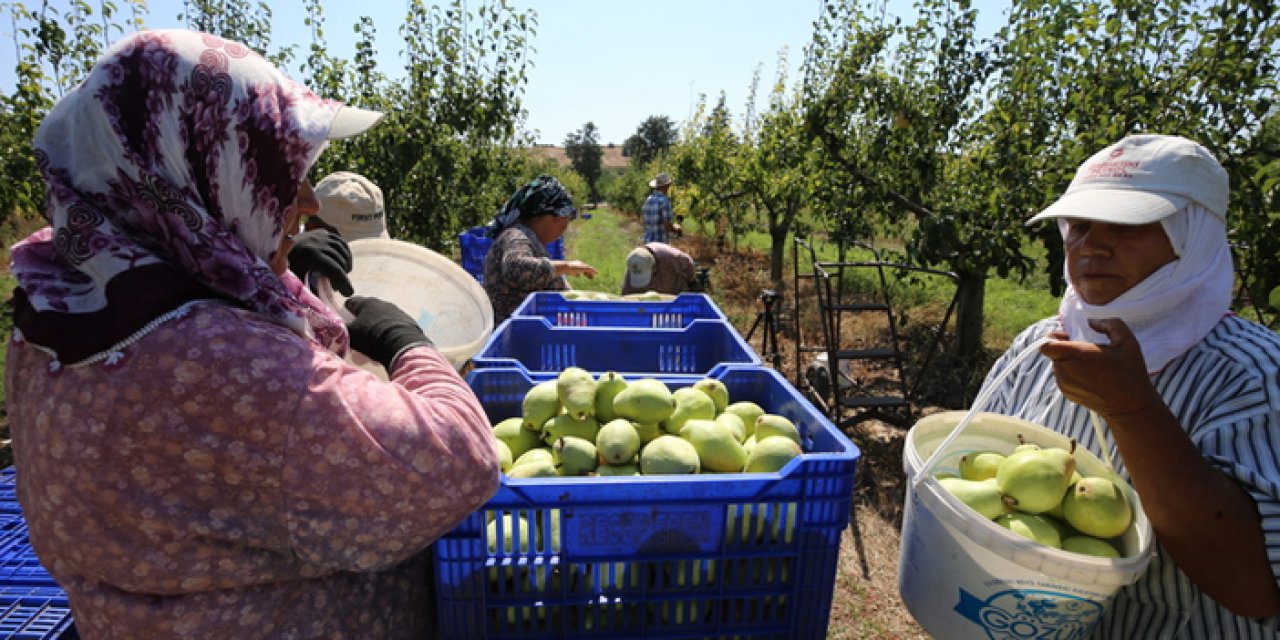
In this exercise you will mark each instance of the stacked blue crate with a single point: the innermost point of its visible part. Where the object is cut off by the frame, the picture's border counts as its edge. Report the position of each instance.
(724, 555)
(32, 605)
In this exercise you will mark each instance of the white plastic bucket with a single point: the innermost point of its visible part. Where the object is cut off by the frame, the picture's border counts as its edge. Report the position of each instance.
(963, 576)
(446, 302)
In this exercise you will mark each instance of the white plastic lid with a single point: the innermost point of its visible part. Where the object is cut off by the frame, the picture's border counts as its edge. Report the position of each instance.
(446, 301)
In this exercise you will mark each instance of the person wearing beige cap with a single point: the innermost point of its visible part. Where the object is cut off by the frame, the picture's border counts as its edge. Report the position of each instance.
(659, 267)
(351, 206)
(197, 458)
(1186, 394)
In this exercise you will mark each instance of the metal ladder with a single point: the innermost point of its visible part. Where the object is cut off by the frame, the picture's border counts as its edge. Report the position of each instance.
(889, 400)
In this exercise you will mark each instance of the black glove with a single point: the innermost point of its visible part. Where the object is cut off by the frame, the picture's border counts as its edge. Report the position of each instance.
(325, 253)
(381, 330)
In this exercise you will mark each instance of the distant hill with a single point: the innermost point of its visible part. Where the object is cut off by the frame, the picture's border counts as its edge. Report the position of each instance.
(612, 158)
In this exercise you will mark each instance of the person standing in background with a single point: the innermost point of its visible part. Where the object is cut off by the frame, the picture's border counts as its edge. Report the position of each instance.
(659, 221)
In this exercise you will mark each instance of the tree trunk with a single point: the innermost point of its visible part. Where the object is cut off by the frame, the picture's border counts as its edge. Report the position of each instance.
(973, 287)
(777, 252)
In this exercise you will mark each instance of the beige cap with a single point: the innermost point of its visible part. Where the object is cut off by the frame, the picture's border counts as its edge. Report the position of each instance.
(640, 265)
(352, 205)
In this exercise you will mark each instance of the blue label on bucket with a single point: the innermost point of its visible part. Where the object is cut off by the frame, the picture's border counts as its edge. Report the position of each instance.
(1031, 614)
(426, 319)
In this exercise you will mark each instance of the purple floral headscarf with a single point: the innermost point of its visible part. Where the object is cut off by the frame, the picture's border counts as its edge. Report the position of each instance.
(180, 150)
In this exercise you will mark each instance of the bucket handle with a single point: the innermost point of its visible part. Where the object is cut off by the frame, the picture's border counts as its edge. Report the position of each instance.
(979, 404)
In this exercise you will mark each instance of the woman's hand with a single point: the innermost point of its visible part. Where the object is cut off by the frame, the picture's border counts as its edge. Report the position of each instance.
(573, 268)
(1110, 379)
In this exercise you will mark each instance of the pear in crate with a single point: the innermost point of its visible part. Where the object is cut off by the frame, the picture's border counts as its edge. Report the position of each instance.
(735, 425)
(1098, 507)
(574, 456)
(771, 454)
(716, 390)
(1031, 526)
(772, 425)
(576, 389)
(537, 455)
(980, 465)
(648, 431)
(718, 449)
(748, 411)
(1037, 479)
(608, 386)
(982, 496)
(534, 469)
(646, 400)
(518, 438)
(540, 404)
(669, 455)
(504, 455)
(629, 469)
(567, 425)
(618, 442)
(691, 404)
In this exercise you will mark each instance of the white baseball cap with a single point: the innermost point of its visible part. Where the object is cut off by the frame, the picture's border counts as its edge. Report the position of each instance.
(349, 121)
(1143, 179)
(640, 264)
(352, 205)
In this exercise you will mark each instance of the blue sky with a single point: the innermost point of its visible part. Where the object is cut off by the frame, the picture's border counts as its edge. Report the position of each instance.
(611, 62)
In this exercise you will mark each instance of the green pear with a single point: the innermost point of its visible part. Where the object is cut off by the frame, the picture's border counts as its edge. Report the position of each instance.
(518, 439)
(541, 403)
(749, 443)
(980, 465)
(567, 425)
(691, 404)
(772, 425)
(617, 442)
(574, 456)
(533, 469)
(648, 431)
(1032, 527)
(504, 455)
(1090, 545)
(718, 449)
(618, 470)
(982, 496)
(771, 454)
(536, 455)
(1036, 479)
(1023, 445)
(668, 455)
(1098, 507)
(576, 388)
(513, 529)
(647, 400)
(748, 411)
(608, 385)
(735, 424)
(716, 390)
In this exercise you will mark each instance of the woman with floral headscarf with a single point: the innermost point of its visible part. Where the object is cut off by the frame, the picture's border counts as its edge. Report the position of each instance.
(1187, 394)
(518, 263)
(195, 458)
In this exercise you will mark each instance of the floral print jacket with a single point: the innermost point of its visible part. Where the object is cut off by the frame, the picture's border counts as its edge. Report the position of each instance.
(518, 264)
(230, 479)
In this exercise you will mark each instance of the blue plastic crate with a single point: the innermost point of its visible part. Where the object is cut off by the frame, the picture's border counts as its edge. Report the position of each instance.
(35, 613)
(674, 314)
(720, 555)
(535, 346)
(19, 565)
(474, 245)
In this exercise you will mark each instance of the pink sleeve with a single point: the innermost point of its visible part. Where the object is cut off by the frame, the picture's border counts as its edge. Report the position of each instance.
(376, 470)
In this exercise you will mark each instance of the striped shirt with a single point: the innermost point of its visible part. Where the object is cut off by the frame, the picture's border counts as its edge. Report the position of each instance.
(656, 213)
(1226, 394)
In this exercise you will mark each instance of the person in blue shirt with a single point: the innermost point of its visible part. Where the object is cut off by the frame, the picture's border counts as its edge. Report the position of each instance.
(659, 223)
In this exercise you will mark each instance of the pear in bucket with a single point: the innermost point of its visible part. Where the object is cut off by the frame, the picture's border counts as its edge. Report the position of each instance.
(1036, 479)
(1097, 506)
(982, 496)
(980, 465)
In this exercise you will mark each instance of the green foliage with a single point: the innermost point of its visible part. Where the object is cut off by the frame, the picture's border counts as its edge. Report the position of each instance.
(583, 149)
(654, 136)
(627, 190)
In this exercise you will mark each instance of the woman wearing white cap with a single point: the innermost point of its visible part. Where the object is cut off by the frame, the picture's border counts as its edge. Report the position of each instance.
(196, 459)
(1188, 392)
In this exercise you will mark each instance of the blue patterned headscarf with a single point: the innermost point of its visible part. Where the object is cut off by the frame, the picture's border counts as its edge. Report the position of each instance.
(543, 195)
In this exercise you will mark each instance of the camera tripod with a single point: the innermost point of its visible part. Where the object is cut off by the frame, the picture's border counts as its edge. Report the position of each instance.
(766, 320)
